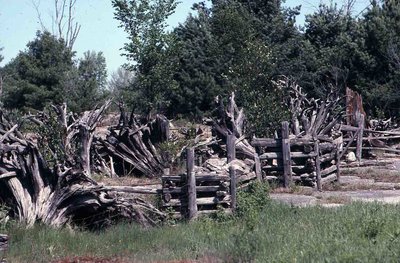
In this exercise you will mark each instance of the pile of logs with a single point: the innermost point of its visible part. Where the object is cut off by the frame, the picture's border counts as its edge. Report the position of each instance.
(301, 161)
(310, 144)
(228, 121)
(64, 193)
(129, 148)
(312, 117)
(307, 151)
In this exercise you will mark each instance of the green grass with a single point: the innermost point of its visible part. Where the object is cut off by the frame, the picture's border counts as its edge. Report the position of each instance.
(278, 233)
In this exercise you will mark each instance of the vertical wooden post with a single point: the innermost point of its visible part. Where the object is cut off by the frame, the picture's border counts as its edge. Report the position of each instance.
(191, 181)
(231, 155)
(112, 167)
(286, 158)
(258, 167)
(360, 122)
(338, 166)
(317, 165)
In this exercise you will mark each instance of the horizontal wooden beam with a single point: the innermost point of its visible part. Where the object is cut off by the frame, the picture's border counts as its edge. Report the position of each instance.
(278, 155)
(199, 178)
(200, 201)
(329, 170)
(378, 149)
(199, 189)
(133, 189)
(352, 128)
(329, 178)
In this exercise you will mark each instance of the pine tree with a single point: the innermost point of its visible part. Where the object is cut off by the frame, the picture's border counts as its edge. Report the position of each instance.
(37, 75)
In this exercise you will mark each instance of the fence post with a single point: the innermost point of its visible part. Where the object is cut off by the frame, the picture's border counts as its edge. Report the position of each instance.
(191, 181)
(286, 158)
(231, 155)
(360, 123)
(338, 166)
(317, 165)
(258, 167)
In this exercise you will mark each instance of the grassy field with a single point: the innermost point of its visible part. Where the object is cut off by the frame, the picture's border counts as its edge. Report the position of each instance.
(269, 232)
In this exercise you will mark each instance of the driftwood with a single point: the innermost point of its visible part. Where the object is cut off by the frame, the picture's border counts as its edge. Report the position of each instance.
(131, 145)
(231, 120)
(308, 154)
(61, 194)
(311, 117)
(75, 135)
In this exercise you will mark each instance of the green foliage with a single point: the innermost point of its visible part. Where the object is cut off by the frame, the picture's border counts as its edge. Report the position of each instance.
(120, 83)
(90, 82)
(46, 73)
(198, 77)
(36, 76)
(50, 138)
(252, 201)
(149, 49)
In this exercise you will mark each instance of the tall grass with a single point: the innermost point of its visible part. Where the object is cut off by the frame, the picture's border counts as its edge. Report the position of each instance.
(270, 233)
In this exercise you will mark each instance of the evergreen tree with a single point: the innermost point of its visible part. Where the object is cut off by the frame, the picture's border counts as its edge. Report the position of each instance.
(36, 75)
(381, 78)
(197, 74)
(338, 48)
(90, 83)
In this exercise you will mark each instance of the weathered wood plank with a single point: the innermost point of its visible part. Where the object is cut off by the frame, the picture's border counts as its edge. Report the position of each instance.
(277, 143)
(295, 168)
(360, 122)
(294, 155)
(318, 166)
(378, 149)
(199, 189)
(375, 138)
(200, 201)
(329, 170)
(191, 181)
(352, 128)
(338, 166)
(134, 190)
(328, 179)
(199, 178)
(328, 157)
(257, 165)
(286, 158)
(231, 152)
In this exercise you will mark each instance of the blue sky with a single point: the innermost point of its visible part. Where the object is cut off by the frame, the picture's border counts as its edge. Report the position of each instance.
(99, 31)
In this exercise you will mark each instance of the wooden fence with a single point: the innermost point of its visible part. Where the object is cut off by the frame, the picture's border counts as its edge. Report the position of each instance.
(358, 135)
(309, 161)
(192, 194)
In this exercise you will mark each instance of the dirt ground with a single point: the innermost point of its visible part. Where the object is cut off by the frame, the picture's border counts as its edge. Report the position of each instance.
(375, 182)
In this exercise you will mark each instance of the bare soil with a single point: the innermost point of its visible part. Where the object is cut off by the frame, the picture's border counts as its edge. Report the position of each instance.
(366, 184)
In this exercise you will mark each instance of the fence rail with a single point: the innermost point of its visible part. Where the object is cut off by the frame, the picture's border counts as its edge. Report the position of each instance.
(192, 194)
(312, 161)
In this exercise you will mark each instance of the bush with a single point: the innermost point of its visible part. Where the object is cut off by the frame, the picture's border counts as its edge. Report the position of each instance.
(251, 202)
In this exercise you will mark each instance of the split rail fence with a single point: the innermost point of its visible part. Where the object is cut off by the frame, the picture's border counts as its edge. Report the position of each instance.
(192, 194)
(358, 135)
(311, 161)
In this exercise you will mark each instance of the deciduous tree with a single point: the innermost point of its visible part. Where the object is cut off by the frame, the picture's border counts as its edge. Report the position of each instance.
(149, 48)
